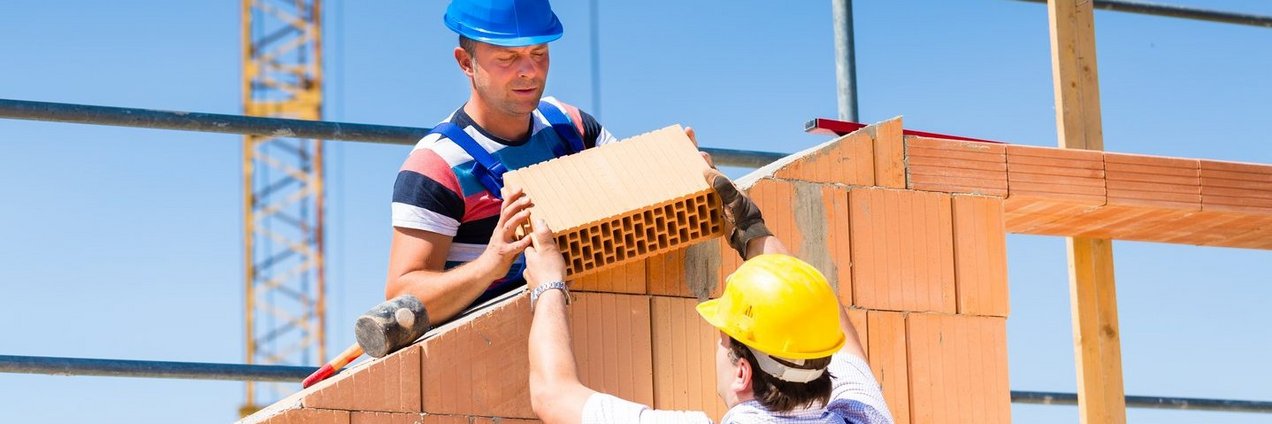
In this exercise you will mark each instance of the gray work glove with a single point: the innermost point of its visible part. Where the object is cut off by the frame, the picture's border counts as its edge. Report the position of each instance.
(739, 210)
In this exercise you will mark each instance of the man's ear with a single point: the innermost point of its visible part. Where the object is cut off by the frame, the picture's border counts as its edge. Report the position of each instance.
(464, 60)
(742, 378)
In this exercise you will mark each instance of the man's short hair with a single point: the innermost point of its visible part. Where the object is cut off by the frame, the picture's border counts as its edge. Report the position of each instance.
(469, 45)
(783, 396)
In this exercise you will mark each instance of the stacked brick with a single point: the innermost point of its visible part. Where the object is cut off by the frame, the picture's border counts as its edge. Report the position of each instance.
(956, 166)
(1051, 183)
(650, 349)
(640, 229)
(1237, 198)
(1096, 194)
(923, 271)
(909, 230)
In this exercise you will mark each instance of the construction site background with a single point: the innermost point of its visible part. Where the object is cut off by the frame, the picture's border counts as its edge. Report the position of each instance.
(122, 243)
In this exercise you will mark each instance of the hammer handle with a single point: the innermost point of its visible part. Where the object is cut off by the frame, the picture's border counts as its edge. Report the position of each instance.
(353, 352)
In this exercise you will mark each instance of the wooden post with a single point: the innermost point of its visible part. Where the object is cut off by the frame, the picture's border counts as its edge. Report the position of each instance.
(1097, 344)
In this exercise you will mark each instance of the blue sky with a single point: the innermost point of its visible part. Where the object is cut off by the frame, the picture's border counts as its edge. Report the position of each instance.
(125, 243)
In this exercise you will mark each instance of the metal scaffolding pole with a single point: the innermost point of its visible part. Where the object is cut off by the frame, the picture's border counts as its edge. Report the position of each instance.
(207, 122)
(1181, 12)
(845, 60)
(151, 369)
(1150, 402)
(262, 126)
(247, 125)
(278, 373)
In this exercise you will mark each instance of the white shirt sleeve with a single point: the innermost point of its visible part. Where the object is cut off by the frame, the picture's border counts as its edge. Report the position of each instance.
(411, 216)
(602, 408)
(605, 137)
(854, 392)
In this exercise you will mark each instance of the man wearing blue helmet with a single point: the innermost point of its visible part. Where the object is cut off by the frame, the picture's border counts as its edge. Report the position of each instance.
(453, 240)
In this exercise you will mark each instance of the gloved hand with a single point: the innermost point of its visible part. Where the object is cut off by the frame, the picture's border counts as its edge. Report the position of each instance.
(739, 210)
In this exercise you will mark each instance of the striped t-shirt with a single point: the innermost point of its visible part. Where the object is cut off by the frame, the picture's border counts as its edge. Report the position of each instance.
(436, 190)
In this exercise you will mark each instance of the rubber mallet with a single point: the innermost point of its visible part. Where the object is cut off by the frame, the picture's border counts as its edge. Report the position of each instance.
(384, 329)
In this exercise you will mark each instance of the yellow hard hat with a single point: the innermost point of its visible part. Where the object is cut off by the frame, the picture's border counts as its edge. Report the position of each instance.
(779, 305)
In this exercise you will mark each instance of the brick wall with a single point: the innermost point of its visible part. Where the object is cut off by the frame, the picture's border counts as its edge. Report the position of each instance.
(909, 230)
(917, 253)
(915, 242)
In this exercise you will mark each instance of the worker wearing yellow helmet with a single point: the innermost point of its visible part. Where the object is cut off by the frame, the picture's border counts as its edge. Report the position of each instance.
(787, 352)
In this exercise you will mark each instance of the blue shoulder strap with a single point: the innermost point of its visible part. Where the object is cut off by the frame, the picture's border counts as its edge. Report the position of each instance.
(562, 125)
(488, 170)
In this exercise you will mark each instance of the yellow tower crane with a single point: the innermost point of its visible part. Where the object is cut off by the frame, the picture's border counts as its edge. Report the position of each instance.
(282, 191)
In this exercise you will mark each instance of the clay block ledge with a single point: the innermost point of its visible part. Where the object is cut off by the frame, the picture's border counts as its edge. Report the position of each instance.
(642, 233)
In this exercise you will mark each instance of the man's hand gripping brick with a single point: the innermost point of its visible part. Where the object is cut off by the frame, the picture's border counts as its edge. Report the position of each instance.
(739, 210)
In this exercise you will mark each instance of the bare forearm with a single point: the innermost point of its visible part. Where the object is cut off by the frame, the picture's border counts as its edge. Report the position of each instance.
(556, 394)
(853, 345)
(445, 293)
(551, 358)
(763, 245)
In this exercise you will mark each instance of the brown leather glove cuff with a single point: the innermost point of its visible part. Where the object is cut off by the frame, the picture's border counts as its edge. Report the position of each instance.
(742, 235)
(748, 222)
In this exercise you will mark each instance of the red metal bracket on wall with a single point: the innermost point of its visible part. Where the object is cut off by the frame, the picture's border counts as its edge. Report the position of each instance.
(837, 128)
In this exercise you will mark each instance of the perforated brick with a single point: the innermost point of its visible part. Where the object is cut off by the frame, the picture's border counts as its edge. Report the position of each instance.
(846, 160)
(902, 250)
(1150, 181)
(857, 317)
(389, 384)
(463, 419)
(641, 234)
(812, 221)
(1236, 187)
(980, 255)
(478, 365)
(626, 278)
(958, 369)
(1138, 197)
(684, 352)
(386, 418)
(625, 201)
(889, 153)
(953, 166)
(693, 271)
(886, 342)
(610, 335)
(1046, 185)
(308, 416)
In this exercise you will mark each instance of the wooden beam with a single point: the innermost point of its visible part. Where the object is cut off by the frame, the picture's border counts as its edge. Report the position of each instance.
(1097, 345)
(1096, 339)
(1077, 85)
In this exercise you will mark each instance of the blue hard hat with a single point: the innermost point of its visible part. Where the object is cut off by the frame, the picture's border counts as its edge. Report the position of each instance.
(509, 23)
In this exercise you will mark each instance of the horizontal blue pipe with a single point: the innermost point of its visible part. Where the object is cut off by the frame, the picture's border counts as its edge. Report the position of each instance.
(292, 374)
(272, 127)
(1182, 12)
(1150, 402)
(152, 369)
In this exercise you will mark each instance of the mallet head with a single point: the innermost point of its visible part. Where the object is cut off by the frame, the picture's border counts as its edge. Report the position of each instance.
(391, 325)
